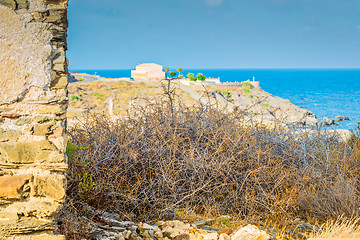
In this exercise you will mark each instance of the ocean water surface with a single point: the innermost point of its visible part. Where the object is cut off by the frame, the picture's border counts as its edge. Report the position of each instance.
(325, 92)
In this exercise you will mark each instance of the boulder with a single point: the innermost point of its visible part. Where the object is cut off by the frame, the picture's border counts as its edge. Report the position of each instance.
(224, 236)
(211, 236)
(326, 122)
(250, 232)
(340, 118)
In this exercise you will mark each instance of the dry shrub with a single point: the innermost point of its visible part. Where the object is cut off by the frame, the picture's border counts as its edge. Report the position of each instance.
(171, 158)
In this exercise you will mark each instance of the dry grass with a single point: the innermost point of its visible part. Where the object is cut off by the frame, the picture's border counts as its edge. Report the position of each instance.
(92, 96)
(340, 228)
(169, 158)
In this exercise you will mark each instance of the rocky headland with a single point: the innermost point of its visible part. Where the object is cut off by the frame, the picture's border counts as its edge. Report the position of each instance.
(90, 92)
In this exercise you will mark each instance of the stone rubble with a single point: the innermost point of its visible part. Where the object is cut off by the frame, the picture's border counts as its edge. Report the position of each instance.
(176, 230)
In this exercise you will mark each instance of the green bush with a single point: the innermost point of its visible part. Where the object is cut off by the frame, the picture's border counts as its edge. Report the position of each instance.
(201, 77)
(227, 94)
(181, 76)
(247, 84)
(266, 105)
(189, 75)
(194, 79)
(74, 97)
(247, 90)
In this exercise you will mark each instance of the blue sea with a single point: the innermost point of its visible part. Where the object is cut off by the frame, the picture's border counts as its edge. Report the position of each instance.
(325, 92)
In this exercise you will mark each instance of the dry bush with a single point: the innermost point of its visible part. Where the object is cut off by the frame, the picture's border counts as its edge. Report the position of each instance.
(170, 157)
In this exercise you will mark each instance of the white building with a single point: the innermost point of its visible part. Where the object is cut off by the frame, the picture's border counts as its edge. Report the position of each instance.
(148, 71)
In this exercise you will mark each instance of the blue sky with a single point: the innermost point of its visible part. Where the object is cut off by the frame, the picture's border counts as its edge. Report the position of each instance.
(119, 34)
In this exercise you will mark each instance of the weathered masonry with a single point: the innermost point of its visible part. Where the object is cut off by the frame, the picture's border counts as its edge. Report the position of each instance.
(33, 102)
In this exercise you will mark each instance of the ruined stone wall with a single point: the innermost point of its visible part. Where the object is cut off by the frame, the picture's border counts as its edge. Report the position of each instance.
(33, 102)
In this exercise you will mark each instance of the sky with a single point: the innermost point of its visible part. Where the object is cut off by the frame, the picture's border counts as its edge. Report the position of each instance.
(214, 34)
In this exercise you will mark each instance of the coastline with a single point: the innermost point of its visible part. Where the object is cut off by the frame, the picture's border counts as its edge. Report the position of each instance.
(264, 107)
(325, 92)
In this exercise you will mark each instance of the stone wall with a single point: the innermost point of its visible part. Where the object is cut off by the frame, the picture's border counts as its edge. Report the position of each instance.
(33, 102)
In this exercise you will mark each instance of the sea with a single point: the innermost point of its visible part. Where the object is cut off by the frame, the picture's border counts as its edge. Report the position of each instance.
(325, 92)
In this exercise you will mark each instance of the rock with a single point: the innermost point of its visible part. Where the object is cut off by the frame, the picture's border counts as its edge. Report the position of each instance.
(209, 229)
(340, 118)
(227, 231)
(126, 234)
(42, 129)
(22, 4)
(48, 237)
(173, 232)
(182, 237)
(42, 119)
(174, 224)
(196, 236)
(50, 186)
(147, 231)
(326, 122)
(158, 234)
(307, 227)
(60, 83)
(23, 120)
(29, 152)
(224, 236)
(12, 187)
(9, 135)
(145, 226)
(56, 109)
(250, 232)
(8, 3)
(211, 236)
(120, 237)
(199, 223)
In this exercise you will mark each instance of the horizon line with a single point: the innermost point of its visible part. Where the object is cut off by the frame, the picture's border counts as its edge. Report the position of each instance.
(192, 68)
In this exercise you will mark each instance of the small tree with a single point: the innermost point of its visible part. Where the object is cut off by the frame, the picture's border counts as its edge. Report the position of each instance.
(201, 77)
(189, 75)
(179, 70)
(167, 69)
(172, 74)
(180, 76)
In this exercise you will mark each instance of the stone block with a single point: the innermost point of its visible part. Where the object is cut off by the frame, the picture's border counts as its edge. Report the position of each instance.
(42, 129)
(40, 208)
(25, 225)
(23, 120)
(51, 186)
(13, 187)
(42, 119)
(60, 83)
(55, 109)
(60, 67)
(18, 46)
(48, 237)
(61, 59)
(8, 3)
(30, 152)
(8, 215)
(9, 135)
(22, 4)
